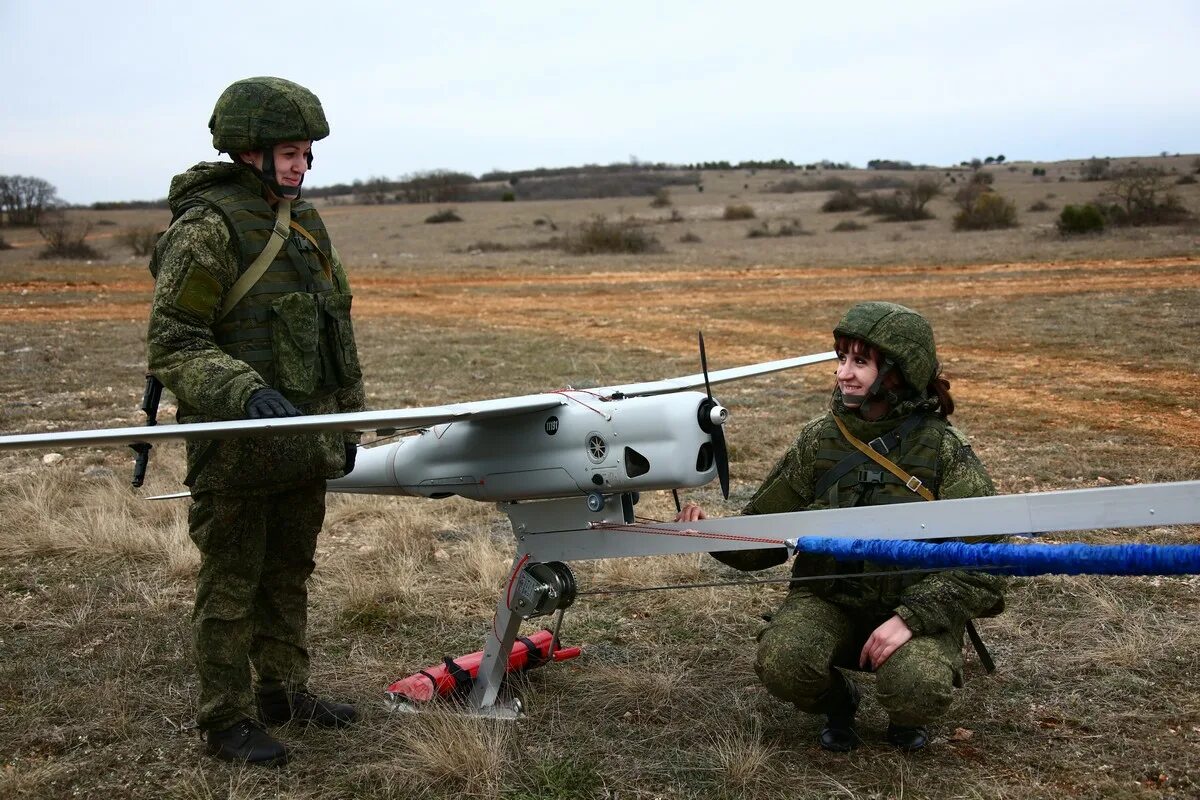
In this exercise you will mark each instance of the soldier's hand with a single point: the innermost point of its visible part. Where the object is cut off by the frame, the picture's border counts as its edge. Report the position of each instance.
(690, 513)
(351, 452)
(267, 403)
(884, 640)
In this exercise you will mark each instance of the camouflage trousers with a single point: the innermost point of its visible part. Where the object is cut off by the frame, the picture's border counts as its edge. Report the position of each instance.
(256, 554)
(809, 639)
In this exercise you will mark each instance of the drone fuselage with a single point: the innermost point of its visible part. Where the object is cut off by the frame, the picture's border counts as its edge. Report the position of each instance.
(588, 444)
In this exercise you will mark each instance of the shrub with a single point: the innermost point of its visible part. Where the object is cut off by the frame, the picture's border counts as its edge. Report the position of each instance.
(983, 177)
(508, 197)
(884, 182)
(690, 238)
(833, 183)
(843, 200)
(988, 211)
(1041, 205)
(443, 215)
(848, 225)
(602, 236)
(67, 240)
(4, 245)
(1080, 219)
(1183, 180)
(662, 198)
(739, 211)
(1039, 172)
(785, 229)
(140, 240)
(794, 185)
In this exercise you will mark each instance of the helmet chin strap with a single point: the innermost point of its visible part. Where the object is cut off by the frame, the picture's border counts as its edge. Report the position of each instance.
(267, 175)
(873, 392)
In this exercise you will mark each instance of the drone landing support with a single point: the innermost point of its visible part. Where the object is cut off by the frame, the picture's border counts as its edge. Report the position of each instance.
(569, 529)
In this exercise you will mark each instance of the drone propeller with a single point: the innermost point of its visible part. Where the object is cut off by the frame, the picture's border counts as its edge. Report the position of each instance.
(712, 419)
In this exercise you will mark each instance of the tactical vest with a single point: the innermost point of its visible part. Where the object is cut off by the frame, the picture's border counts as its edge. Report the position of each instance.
(869, 484)
(293, 325)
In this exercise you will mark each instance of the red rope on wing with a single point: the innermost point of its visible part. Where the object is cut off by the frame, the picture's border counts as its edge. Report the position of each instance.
(724, 537)
(566, 393)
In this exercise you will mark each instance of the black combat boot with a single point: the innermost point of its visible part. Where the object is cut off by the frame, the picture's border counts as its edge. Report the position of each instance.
(907, 738)
(275, 708)
(838, 734)
(246, 741)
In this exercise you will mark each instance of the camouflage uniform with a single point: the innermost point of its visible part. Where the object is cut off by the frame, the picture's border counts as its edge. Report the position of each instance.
(823, 624)
(258, 504)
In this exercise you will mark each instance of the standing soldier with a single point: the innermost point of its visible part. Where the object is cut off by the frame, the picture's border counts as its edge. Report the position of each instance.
(906, 628)
(251, 318)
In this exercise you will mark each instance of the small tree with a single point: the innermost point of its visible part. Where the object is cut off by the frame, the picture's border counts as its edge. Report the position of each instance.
(374, 192)
(1142, 196)
(1095, 169)
(140, 240)
(25, 200)
(906, 204)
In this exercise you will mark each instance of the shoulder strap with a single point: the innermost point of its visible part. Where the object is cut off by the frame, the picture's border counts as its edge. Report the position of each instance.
(911, 482)
(326, 262)
(255, 270)
(884, 444)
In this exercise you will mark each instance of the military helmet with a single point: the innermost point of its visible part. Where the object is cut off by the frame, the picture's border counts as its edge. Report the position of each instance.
(900, 333)
(258, 113)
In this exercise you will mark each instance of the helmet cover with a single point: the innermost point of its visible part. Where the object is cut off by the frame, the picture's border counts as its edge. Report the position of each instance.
(899, 333)
(258, 113)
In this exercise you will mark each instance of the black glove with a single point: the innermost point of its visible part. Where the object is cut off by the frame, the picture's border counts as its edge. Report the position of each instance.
(351, 452)
(269, 403)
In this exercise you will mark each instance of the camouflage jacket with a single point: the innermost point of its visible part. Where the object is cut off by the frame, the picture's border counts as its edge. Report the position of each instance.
(928, 604)
(199, 248)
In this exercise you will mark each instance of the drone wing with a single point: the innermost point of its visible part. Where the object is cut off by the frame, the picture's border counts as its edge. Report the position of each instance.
(387, 422)
(384, 423)
(720, 376)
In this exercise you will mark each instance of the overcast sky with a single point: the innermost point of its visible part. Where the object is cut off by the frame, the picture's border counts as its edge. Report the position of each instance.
(107, 100)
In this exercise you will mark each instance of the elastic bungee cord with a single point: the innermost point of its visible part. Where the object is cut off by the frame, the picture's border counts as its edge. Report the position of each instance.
(926, 557)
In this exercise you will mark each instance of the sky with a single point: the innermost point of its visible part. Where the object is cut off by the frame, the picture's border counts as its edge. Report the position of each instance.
(108, 100)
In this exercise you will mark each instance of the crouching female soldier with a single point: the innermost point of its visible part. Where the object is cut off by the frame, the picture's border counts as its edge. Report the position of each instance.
(907, 628)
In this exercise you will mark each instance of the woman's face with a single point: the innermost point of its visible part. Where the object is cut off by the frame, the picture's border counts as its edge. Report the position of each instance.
(855, 373)
(291, 162)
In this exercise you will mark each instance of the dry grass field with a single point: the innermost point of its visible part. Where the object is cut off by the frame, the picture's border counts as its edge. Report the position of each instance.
(1072, 359)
